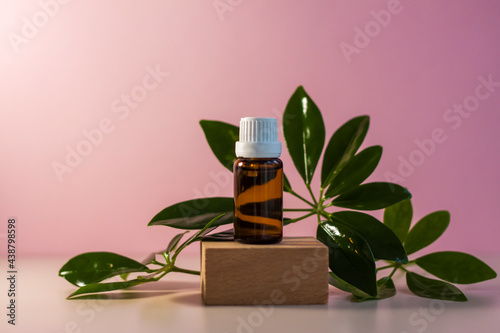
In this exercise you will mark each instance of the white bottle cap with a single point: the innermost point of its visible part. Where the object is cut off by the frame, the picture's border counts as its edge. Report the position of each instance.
(258, 138)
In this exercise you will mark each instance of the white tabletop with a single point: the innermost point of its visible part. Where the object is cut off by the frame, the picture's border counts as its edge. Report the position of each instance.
(174, 305)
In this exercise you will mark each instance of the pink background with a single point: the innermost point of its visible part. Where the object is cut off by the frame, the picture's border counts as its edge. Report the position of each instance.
(247, 61)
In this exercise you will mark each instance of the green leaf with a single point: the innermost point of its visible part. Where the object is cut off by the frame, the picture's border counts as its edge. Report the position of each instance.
(149, 259)
(109, 286)
(304, 133)
(174, 241)
(92, 267)
(286, 184)
(426, 231)
(172, 245)
(195, 214)
(222, 139)
(385, 289)
(355, 171)
(430, 288)
(398, 218)
(342, 146)
(337, 282)
(350, 257)
(226, 235)
(383, 243)
(456, 267)
(200, 234)
(372, 196)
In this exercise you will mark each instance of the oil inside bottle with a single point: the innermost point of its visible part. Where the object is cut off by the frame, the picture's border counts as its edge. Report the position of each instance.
(258, 197)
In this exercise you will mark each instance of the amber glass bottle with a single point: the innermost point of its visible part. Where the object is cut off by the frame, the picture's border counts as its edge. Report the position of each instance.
(258, 183)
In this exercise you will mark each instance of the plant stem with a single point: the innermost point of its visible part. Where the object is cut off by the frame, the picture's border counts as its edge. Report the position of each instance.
(389, 276)
(177, 252)
(167, 257)
(155, 262)
(302, 198)
(323, 213)
(312, 195)
(393, 271)
(301, 218)
(384, 267)
(297, 209)
(162, 274)
(183, 270)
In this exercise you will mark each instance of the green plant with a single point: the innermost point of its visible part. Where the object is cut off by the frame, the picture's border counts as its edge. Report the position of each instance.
(455, 267)
(356, 240)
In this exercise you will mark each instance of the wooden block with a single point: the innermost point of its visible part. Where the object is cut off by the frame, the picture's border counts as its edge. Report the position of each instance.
(294, 271)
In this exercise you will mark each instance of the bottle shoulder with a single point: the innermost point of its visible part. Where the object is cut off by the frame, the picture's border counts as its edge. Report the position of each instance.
(257, 163)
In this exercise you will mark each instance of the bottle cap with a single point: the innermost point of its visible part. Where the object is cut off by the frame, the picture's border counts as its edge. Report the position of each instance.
(258, 138)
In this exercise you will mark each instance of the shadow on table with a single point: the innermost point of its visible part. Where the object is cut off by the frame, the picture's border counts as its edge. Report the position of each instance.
(192, 297)
(475, 301)
(146, 290)
(188, 293)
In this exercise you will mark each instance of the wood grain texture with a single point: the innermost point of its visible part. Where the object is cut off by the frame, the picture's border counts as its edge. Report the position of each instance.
(294, 271)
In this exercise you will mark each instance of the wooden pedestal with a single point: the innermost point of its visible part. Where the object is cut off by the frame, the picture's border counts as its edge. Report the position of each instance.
(294, 271)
